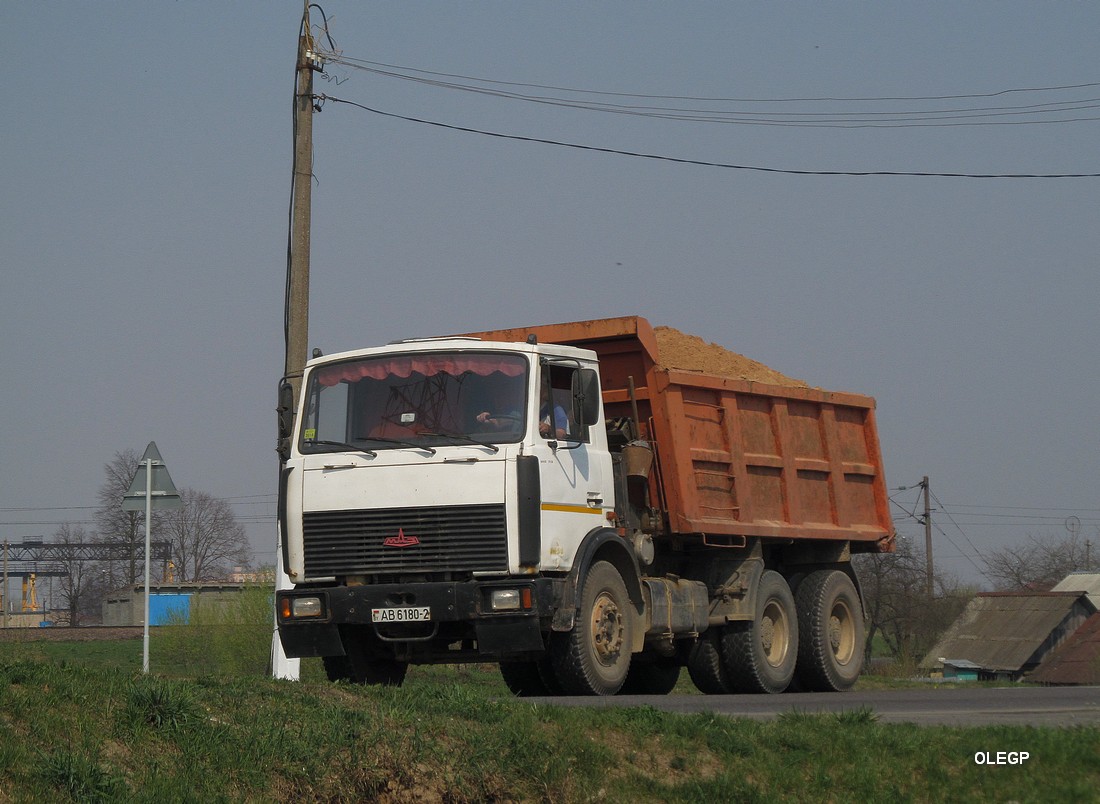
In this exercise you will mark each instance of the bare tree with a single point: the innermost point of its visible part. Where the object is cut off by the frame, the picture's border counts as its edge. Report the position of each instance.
(1039, 563)
(114, 524)
(898, 609)
(82, 587)
(206, 538)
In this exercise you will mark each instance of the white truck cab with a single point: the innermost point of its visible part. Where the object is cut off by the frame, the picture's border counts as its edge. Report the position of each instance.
(434, 497)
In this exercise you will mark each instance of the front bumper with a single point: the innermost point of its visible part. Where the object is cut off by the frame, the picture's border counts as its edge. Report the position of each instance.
(460, 611)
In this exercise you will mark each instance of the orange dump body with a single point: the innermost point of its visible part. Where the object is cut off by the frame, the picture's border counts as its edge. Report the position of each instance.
(737, 459)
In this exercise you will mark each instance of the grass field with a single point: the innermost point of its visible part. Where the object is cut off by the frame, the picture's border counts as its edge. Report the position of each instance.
(79, 722)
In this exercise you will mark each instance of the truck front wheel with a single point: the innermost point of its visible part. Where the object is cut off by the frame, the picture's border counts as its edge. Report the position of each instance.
(830, 625)
(363, 665)
(594, 658)
(760, 655)
(526, 679)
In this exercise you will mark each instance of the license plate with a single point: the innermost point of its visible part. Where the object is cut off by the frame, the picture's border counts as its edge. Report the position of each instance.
(402, 614)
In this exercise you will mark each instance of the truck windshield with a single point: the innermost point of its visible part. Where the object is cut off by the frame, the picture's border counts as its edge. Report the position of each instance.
(416, 401)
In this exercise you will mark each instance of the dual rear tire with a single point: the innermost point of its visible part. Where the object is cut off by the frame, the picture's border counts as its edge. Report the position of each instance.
(830, 630)
(760, 655)
(809, 640)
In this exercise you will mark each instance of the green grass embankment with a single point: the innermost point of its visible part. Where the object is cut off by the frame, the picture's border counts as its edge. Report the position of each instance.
(79, 722)
(86, 733)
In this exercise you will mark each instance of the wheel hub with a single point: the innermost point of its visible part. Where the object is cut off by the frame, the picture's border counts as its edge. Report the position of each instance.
(607, 629)
(841, 633)
(773, 634)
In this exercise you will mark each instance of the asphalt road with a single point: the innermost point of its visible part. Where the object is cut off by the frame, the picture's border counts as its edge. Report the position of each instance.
(936, 705)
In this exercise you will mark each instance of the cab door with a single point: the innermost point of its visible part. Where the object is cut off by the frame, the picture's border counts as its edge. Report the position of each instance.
(574, 464)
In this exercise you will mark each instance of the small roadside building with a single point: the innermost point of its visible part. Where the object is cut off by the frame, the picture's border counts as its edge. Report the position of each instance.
(957, 670)
(1007, 635)
(1077, 660)
(168, 602)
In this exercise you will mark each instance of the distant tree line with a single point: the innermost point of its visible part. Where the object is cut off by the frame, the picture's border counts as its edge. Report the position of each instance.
(904, 623)
(207, 541)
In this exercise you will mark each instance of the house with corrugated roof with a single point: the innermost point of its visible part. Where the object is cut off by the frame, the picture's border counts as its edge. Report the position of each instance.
(1087, 582)
(1010, 634)
(1077, 660)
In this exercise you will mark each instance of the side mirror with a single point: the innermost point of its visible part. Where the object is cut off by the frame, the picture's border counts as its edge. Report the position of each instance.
(586, 397)
(285, 410)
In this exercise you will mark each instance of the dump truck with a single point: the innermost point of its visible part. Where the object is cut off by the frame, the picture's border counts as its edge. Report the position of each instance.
(589, 514)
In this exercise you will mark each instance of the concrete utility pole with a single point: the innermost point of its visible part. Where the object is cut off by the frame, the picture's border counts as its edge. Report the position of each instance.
(4, 596)
(927, 536)
(297, 301)
(297, 287)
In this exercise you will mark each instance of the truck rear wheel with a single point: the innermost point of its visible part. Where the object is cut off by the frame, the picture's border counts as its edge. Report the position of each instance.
(704, 664)
(760, 655)
(830, 625)
(594, 658)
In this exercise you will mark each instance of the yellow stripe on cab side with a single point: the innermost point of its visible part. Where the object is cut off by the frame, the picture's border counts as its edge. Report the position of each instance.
(571, 509)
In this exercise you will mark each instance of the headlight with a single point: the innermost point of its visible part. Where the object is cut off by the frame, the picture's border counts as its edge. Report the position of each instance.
(302, 607)
(510, 599)
(504, 600)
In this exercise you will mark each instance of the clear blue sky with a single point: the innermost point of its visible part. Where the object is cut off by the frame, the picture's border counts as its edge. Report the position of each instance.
(147, 176)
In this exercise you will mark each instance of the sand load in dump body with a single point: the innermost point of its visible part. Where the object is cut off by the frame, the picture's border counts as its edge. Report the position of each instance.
(740, 450)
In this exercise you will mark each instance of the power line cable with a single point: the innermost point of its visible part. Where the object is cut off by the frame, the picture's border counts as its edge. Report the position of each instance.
(956, 524)
(1026, 508)
(703, 163)
(340, 58)
(825, 119)
(979, 116)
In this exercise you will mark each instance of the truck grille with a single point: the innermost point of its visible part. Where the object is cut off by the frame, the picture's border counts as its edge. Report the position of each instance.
(459, 538)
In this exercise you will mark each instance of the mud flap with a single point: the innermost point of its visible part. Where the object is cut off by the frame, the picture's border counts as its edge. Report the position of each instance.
(509, 637)
(315, 639)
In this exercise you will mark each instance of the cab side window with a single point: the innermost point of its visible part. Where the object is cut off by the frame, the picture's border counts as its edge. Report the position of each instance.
(556, 404)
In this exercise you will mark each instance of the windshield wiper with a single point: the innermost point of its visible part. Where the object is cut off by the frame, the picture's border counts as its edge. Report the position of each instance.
(411, 444)
(344, 444)
(465, 438)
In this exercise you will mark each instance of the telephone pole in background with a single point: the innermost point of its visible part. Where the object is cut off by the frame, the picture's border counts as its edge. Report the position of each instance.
(927, 537)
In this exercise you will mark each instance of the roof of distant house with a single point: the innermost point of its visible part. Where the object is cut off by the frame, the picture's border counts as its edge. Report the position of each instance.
(1004, 631)
(1077, 660)
(1087, 582)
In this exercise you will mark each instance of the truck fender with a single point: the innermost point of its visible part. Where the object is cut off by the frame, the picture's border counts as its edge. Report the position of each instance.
(601, 544)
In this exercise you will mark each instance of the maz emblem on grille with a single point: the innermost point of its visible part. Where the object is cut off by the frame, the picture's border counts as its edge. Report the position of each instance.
(400, 540)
